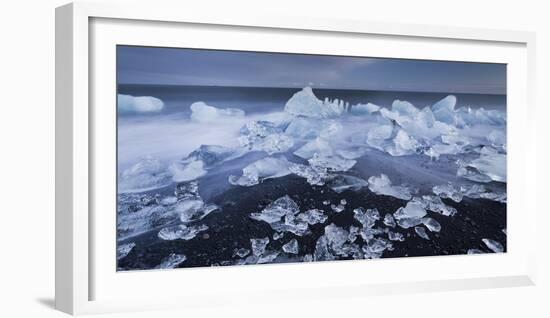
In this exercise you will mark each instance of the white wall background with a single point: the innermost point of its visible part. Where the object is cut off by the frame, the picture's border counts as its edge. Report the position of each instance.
(27, 158)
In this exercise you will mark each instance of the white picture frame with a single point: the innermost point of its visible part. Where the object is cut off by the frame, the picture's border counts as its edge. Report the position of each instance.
(84, 285)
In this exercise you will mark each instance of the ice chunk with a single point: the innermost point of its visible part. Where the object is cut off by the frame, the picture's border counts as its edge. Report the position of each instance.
(336, 236)
(139, 104)
(317, 146)
(124, 249)
(413, 209)
(448, 191)
(259, 245)
(305, 103)
(291, 247)
(322, 252)
(147, 174)
(241, 252)
(404, 108)
(333, 163)
(409, 222)
(181, 232)
(382, 185)
(188, 208)
(395, 236)
(380, 136)
(337, 208)
(366, 217)
(493, 245)
(497, 138)
(444, 111)
(475, 251)
(140, 213)
(203, 113)
(421, 232)
(187, 171)
(303, 128)
(266, 168)
(169, 200)
(431, 224)
(341, 183)
(375, 247)
(493, 166)
(313, 216)
(172, 261)
(277, 209)
(388, 220)
(278, 236)
(196, 163)
(264, 136)
(354, 231)
(268, 257)
(364, 109)
(185, 190)
(403, 144)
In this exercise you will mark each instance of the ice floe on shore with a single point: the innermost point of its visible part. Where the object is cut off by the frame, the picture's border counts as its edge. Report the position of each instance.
(453, 155)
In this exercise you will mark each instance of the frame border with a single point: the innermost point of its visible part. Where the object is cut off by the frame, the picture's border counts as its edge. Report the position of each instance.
(72, 137)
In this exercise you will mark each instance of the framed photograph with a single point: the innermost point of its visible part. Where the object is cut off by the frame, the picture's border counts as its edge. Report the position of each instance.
(244, 157)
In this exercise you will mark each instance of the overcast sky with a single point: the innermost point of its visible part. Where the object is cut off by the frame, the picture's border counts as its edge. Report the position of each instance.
(166, 66)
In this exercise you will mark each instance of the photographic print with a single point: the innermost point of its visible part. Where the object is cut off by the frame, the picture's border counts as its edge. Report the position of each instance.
(239, 158)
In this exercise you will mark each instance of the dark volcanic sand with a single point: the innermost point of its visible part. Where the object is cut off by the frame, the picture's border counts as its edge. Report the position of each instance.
(231, 227)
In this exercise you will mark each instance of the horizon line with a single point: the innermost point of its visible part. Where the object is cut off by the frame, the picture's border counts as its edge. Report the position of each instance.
(326, 88)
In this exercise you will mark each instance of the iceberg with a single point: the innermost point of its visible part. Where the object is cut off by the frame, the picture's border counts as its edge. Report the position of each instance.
(181, 232)
(172, 261)
(261, 170)
(124, 249)
(493, 245)
(382, 185)
(291, 247)
(203, 113)
(147, 174)
(139, 104)
(305, 103)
